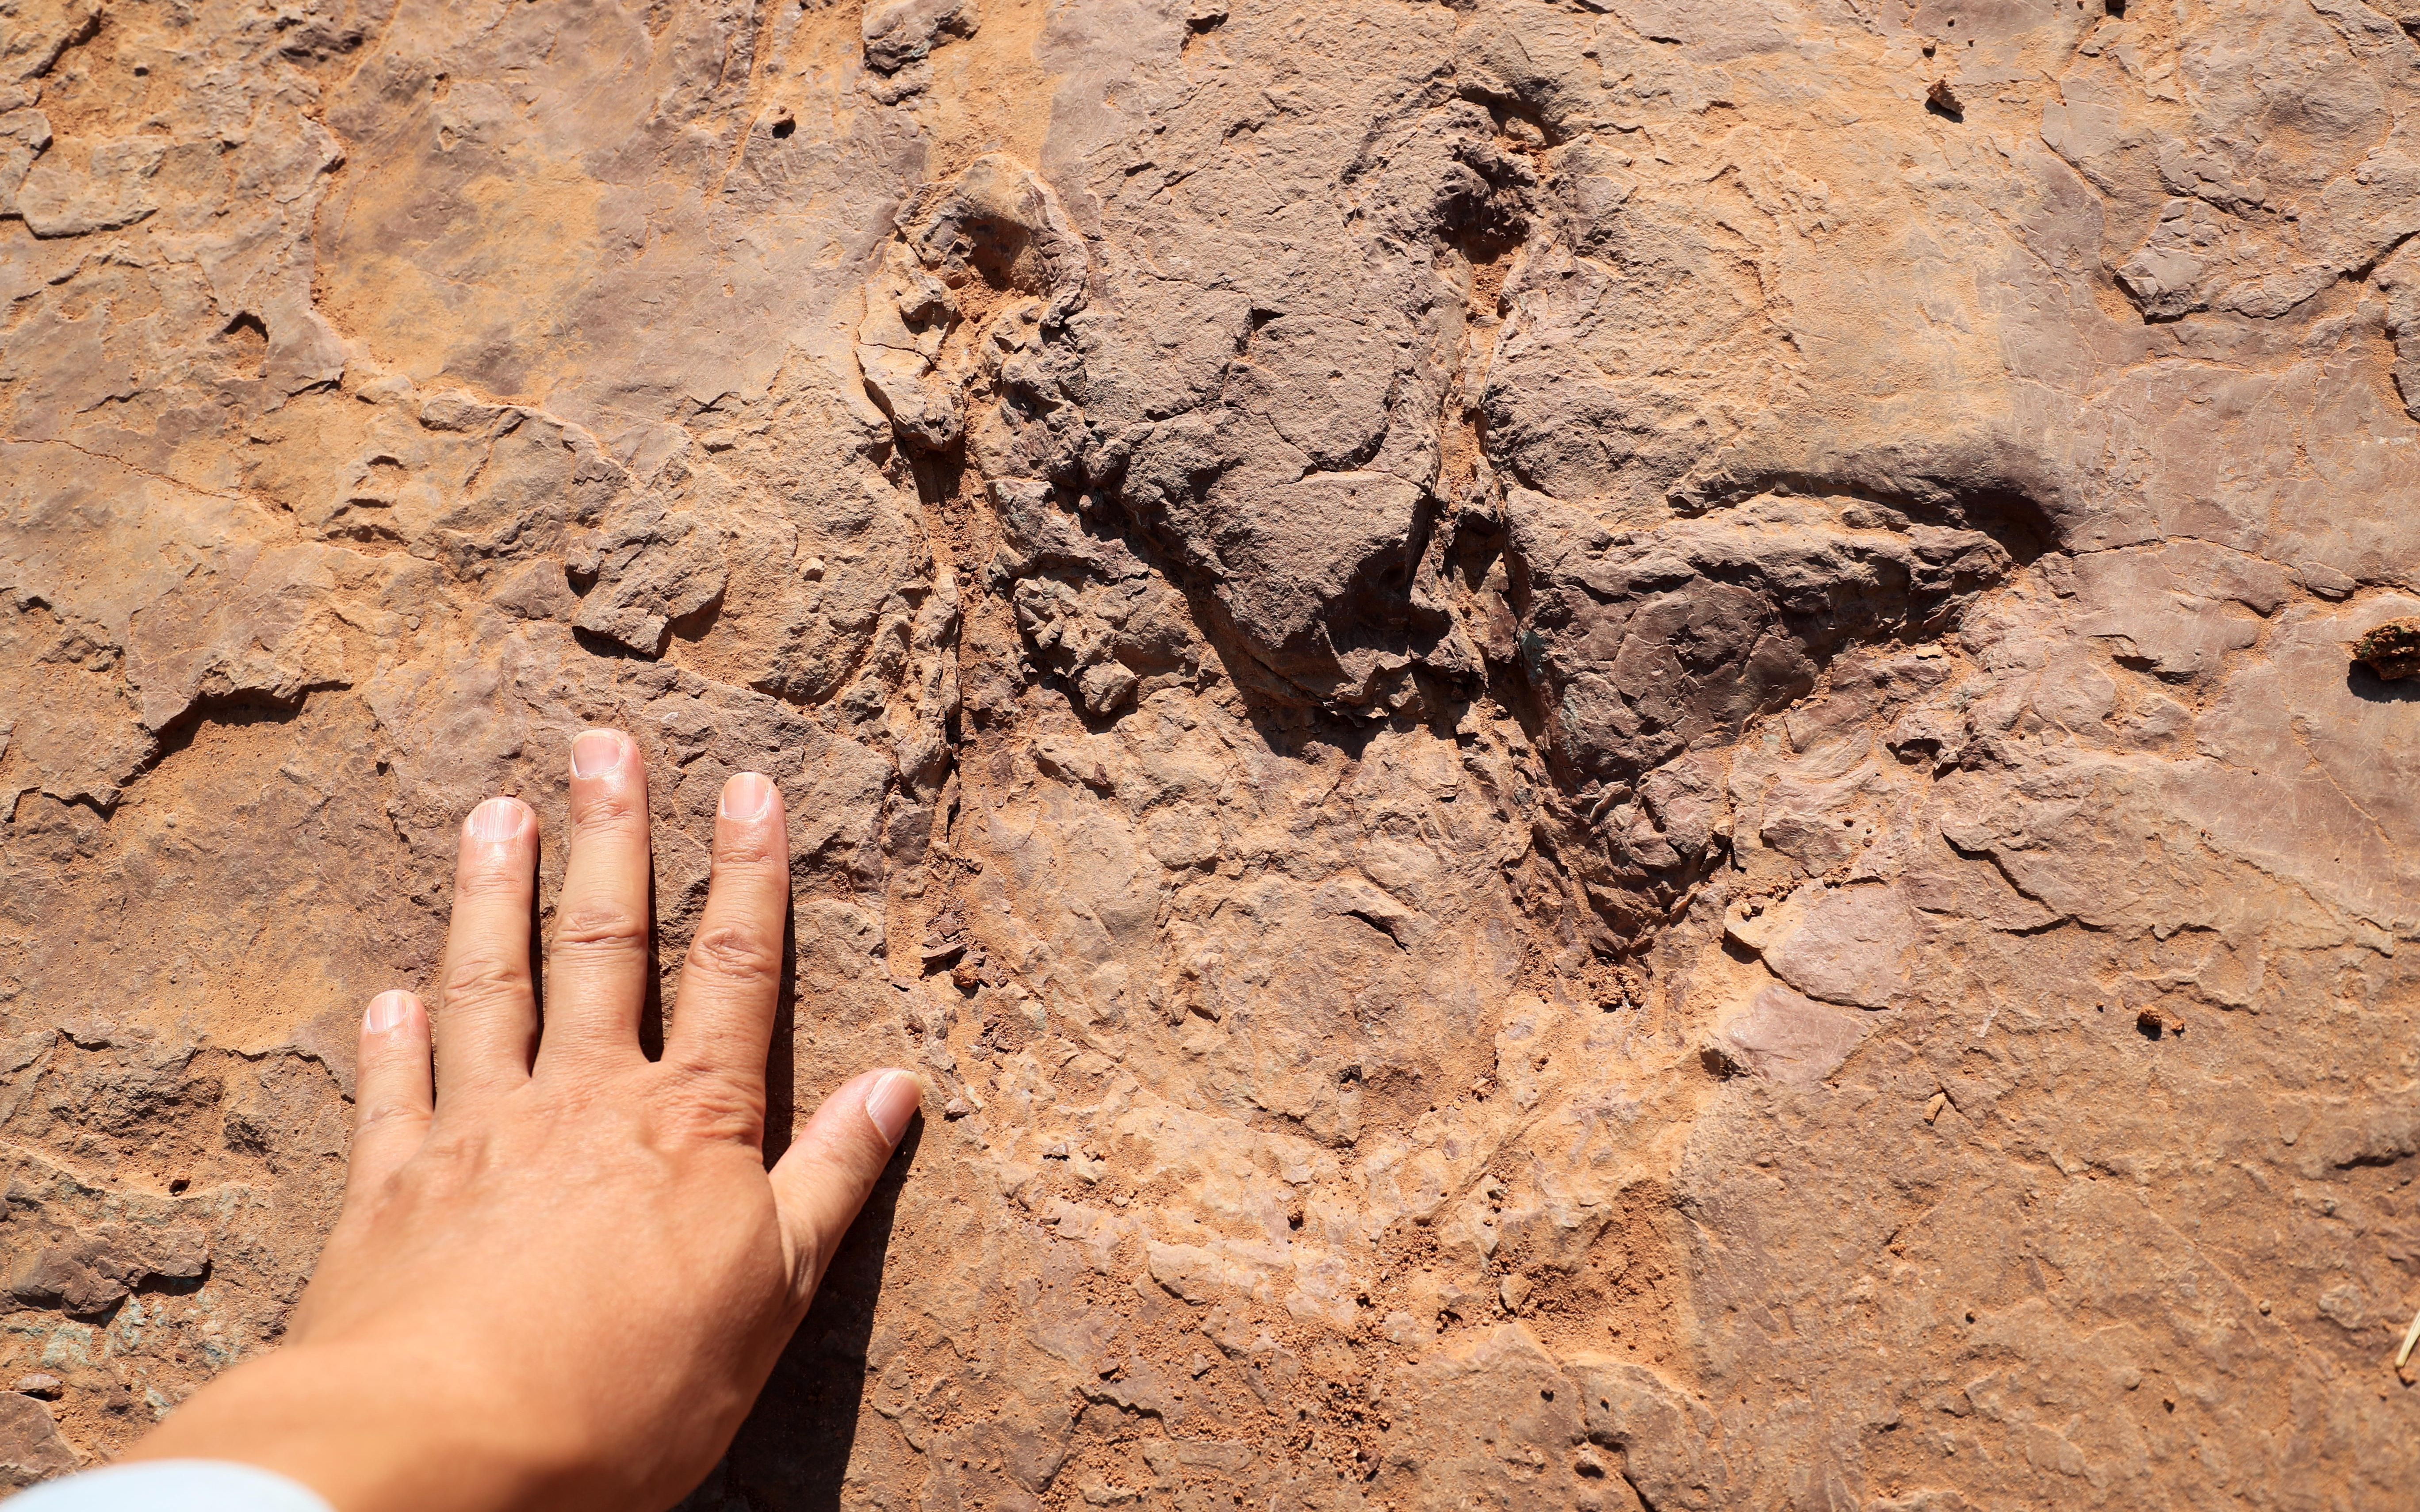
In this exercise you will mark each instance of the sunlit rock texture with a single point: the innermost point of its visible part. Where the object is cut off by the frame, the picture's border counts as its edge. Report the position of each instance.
(1609, 755)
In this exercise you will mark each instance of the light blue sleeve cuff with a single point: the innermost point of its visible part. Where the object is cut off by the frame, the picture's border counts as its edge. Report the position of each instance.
(172, 1485)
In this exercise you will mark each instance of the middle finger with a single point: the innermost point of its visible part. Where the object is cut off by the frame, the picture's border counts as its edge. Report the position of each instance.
(597, 969)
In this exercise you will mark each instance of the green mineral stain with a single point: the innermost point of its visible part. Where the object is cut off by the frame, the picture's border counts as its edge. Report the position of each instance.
(70, 1346)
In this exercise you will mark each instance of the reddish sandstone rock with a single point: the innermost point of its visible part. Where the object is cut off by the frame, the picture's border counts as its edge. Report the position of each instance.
(1511, 699)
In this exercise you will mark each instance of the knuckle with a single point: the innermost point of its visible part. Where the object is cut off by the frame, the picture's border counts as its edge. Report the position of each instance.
(480, 879)
(617, 810)
(711, 1103)
(752, 848)
(736, 953)
(608, 924)
(472, 979)
(589, 958)
(380, 1117)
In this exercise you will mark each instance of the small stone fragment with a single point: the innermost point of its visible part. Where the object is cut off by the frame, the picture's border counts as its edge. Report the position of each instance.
(944, 943)
(1943, 99)
(900, 32)
(46, 1387)
(2152, 1023)
(30, 1446)
(1785, 1038)
(973, 970)
(83, 1272)
(2391, 651)
(1106, 686)
(1933, 1109)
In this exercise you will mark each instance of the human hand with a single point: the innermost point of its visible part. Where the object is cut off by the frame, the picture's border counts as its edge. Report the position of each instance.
(562, 1281)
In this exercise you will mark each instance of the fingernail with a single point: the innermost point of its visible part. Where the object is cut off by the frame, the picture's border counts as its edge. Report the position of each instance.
(595, 752)
(747, 795)
(496, 819)
(387, 1012)
(891, 1101)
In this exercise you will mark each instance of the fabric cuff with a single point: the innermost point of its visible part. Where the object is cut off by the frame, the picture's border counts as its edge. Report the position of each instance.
(172, 1485)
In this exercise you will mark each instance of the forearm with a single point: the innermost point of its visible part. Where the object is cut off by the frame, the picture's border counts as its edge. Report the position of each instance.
(375, 1431)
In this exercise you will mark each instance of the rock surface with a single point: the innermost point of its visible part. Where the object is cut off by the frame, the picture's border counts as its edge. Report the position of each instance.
(1609, 754)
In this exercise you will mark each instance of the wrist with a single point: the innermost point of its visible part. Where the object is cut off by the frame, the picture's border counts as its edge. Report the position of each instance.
(376, 1431)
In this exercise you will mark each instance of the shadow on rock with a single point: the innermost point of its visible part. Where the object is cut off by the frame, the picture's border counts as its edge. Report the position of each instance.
(792, 1454)
(2370, 687)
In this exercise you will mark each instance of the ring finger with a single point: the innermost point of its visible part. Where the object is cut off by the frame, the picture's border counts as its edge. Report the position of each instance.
(487, 1017)
(597, 970)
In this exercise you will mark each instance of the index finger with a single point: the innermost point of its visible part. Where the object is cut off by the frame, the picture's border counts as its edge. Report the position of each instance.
(722, 1016)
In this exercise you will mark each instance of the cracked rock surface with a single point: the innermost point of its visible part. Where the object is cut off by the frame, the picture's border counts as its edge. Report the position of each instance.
(1607, 753)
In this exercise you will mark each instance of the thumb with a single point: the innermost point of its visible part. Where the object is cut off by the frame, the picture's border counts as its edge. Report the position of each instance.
(823, 1179)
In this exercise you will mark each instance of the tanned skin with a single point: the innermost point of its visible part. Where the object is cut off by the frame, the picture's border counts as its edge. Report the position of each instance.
(562, 1270)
